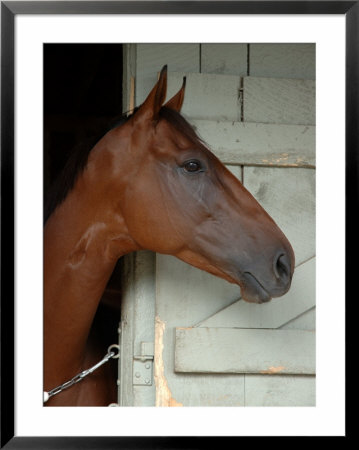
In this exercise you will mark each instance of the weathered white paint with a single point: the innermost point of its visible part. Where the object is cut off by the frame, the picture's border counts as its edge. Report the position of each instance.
(233, 350)
(288, 195)
(284, 101)
(207, 96)
(138, 302)
(282, 61)
(306, 321)
(280, 390)
(259, 144)
(224, 59)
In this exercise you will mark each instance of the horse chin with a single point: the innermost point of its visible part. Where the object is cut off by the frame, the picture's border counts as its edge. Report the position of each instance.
(252, 291)
(251, 295)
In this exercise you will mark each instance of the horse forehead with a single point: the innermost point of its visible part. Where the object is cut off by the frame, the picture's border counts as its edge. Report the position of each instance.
(168, 132)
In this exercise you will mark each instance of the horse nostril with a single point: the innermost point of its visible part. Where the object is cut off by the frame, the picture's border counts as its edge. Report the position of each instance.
(282, 267)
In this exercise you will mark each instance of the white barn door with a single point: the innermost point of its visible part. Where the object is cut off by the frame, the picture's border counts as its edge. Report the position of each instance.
(255, 107)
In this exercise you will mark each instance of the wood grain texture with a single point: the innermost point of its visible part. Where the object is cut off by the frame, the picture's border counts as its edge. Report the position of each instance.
(232, 350)
(226, 59)
(195, 389)
(288, 195)
(137, 324)
(208, 96)
(284, 101)
(280, 390)
(306, 321)
(259, 144)
(282, 60)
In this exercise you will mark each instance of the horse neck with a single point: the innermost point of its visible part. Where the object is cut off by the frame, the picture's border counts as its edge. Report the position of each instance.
(83, 239)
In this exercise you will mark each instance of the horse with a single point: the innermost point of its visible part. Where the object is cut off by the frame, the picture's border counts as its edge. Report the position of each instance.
(149, 183)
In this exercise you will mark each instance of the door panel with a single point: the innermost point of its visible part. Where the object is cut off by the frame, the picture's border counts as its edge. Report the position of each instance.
(280, 390)
(210, 347)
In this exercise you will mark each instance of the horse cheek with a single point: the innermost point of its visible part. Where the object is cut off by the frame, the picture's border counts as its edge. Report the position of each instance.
(147, 220)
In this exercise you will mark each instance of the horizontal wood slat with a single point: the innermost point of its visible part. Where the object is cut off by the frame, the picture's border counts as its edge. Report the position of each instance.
(282, 60)
(232, 350)
(208, 96)
(265, 100)
(224, 58)
(271, 100)
(259, 144)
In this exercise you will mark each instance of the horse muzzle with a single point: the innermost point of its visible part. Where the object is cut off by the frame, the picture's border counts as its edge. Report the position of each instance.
(259, 288)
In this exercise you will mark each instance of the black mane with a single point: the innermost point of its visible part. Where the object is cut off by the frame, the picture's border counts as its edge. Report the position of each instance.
(79, 157)
(73, 168)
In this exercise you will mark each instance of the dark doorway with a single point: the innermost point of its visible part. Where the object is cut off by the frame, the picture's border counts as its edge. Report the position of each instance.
(82, 95)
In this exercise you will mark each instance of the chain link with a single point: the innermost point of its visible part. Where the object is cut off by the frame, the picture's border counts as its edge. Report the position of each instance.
(80, 376)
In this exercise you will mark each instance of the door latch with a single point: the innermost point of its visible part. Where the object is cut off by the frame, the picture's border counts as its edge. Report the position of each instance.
(143, 365)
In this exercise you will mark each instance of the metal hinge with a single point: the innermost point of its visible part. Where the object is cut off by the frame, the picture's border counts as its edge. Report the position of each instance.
(143, 365)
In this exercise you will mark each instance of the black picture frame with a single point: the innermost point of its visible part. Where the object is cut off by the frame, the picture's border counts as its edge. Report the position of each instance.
(9, 9)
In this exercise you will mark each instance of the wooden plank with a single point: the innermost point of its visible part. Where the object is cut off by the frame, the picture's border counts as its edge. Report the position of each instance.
(283, 101)
(232, 350)
(306, 321)
(288, 195)
(299, 299)
(259, 144)
(207, 390)
(137, 324)
(282, 60)
(208, 96)
(173, 389)
(280, 390)
(150, 58)
(228, 59)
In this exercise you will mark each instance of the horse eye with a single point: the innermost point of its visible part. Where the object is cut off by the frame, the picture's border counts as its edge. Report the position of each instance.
(192, 166)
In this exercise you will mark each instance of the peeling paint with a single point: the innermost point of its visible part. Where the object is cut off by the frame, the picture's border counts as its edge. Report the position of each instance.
(272, 370)
(163, 393)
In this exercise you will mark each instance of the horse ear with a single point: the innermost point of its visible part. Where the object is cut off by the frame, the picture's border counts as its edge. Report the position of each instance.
(176, 101)
(153, 103)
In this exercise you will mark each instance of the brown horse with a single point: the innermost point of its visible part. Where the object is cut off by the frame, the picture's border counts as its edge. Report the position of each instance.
(149, 183)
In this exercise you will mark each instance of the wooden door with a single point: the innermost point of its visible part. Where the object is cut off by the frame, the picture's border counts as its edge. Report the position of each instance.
(210, 348)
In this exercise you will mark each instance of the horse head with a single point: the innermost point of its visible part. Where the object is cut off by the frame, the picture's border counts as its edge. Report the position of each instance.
(179, 199)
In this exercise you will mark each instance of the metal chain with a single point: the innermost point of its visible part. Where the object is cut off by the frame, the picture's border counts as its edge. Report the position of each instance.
(80, 376)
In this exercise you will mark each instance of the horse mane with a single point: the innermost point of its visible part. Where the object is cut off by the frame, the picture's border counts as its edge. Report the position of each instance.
(74, 166)
(78, 159)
